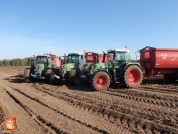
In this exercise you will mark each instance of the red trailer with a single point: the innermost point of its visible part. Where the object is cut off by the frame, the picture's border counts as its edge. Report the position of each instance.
(95, 57)
(56, 60)
(160, 61)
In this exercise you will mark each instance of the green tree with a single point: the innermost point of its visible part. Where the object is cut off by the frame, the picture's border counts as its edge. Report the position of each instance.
(1, 63)
(6, 62)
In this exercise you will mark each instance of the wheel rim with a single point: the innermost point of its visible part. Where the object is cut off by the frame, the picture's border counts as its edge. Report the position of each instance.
(101, 81)
(133, 76)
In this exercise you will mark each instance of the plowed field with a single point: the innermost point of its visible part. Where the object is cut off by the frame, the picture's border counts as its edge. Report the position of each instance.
(46, 109)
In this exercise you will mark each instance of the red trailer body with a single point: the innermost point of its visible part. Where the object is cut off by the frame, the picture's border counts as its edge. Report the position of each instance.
(159, 61)
(55, 60)
(95, 57)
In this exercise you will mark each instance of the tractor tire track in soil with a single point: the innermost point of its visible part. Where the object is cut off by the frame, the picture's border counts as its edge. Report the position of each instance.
(58, 122)
(24, 119)
(82, 101)
(151, 108)
(91, 122)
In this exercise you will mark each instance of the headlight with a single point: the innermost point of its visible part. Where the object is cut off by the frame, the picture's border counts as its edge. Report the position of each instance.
(37, 67)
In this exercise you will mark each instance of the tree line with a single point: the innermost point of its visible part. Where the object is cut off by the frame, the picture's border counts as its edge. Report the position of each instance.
(16, 62)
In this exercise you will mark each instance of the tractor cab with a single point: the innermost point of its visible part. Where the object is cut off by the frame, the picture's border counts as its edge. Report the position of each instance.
(73, 60)
(42, 60)
(76, 58)
(119, 55)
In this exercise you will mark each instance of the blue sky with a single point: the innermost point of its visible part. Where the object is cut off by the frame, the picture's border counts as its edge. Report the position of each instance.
(32, 27)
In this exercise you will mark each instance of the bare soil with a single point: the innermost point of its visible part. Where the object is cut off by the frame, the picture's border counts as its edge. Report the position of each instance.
(47, 109)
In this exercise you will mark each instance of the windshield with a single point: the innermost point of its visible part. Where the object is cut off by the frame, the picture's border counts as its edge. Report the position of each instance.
(76, 59)
(110, 56)
(41, 59)
(119, 56)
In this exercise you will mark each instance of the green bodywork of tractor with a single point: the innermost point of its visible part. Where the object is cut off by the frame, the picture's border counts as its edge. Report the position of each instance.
(69, 70)
(118, 69)
(40, 67)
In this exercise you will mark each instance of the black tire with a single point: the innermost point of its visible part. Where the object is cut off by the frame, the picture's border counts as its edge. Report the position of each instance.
(170, 78)
(53, 80)
(132, 76)
(26, 75)
(74, 77)
(100, 81)
(47, 73)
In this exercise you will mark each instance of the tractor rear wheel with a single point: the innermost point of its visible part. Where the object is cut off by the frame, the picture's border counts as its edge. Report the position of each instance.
(53, 80)
(74, 77)
(26, 75)
(100, 81)
(47, 72)
(132, 77)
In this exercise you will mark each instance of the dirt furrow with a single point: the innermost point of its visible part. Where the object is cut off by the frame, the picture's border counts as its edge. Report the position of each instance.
(148, 94)
(145, 98)
(55, 119)
(90, 120)
(25, 121)
(101, 97)
(114, 116)
(171, 89)
(167, 102)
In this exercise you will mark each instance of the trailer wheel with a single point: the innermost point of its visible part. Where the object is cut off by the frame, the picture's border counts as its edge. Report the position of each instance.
(26, 75)
(100, 81)
(132, 77)
(53, 80)
(47, 73)
(74, 77)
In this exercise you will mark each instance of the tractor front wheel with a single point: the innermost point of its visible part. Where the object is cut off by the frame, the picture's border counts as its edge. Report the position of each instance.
(53, 80)
(26, 75)
(100, 81)
(132, 77)
(74, 77)
(47, 73)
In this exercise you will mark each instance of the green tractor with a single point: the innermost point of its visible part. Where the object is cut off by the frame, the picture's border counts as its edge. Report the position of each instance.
(68, 71)
(41, 67)
(117, 69)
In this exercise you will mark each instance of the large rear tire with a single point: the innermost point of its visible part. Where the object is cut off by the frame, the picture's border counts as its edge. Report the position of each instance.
(132, 77)
(26, 75)
(74, 77)
(47, 73)
(100, 81)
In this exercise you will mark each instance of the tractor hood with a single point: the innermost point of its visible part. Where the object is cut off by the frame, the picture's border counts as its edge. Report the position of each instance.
(106, 66)
(68, 66)
(39, 68)
(98, 66)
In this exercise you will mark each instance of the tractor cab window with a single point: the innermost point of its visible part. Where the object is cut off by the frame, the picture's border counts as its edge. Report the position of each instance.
(127, 56)
(49, 60)
(82, 59)
(73, 59)
(120, 55)
(41, 59)
(110, 56)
